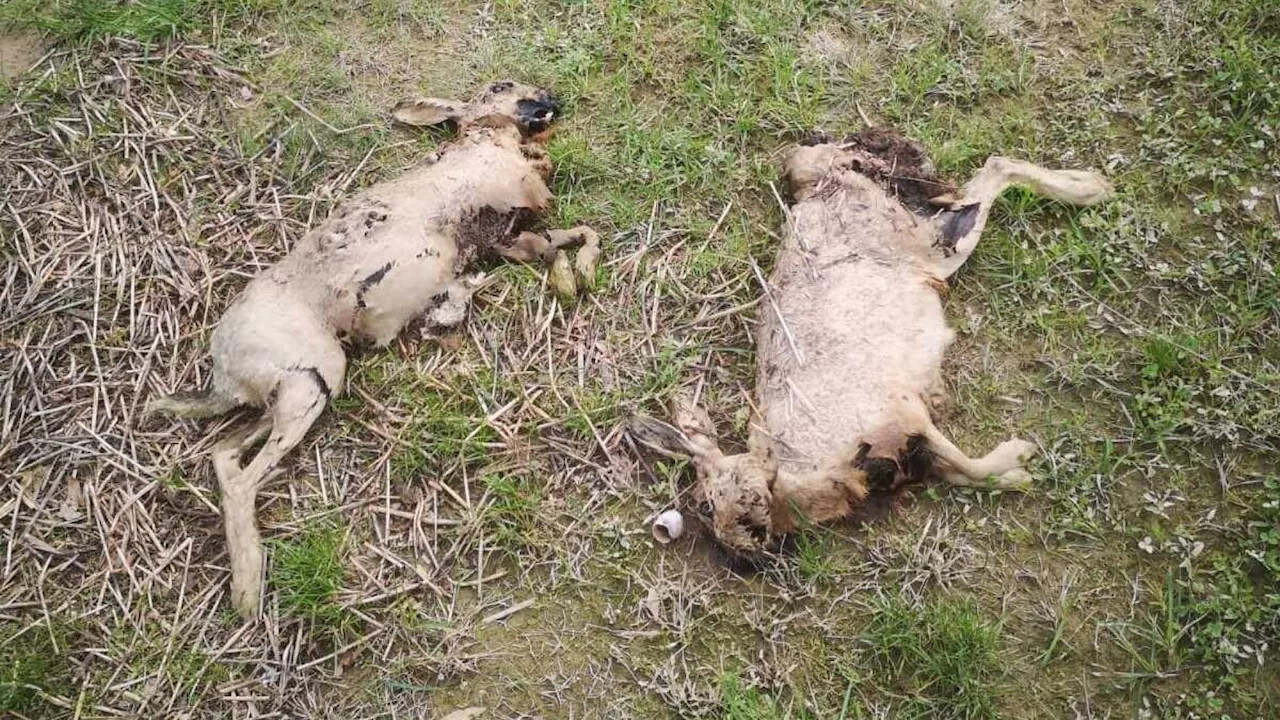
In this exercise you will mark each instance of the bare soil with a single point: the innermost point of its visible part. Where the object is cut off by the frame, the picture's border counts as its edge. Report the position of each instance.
(18, 52)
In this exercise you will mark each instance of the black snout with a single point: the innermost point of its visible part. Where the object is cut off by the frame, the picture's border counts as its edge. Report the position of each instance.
(537, 114)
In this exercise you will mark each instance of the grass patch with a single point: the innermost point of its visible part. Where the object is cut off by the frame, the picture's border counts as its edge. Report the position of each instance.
(943, 657)
(513, 515)
(148, 21)
(307, 572)
(741, 702)
(1217, 611)
(32, 666)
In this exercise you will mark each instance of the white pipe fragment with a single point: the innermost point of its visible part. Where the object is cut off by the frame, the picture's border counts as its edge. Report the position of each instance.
(668, 527)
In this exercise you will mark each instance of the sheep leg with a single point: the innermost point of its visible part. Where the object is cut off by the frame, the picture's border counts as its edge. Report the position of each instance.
(529, 246)
(564, 279)
(226, 466)
(960, 227)
(1003, 465)
(229, 450)
(300, 399)
(578, 235)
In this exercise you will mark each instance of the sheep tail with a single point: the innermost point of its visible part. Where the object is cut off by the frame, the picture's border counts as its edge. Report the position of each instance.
(195, 405)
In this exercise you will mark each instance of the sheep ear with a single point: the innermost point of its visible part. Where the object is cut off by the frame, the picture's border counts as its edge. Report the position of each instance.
(427, 111)
(662, 438)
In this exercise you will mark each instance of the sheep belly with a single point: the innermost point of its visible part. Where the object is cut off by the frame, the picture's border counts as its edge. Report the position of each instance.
(390, 254)
(870, 336)
(407, 290)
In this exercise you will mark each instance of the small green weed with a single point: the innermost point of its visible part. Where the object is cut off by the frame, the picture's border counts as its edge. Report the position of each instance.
(815, 554)
(742, 702)
(31, 666)
(512, 518)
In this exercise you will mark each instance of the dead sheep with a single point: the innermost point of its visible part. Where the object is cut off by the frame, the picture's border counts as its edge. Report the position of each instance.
(851, 340)
(393, 253)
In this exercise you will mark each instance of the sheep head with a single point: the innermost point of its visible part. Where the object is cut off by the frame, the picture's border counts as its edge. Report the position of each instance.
(506, 103)
(733, 495)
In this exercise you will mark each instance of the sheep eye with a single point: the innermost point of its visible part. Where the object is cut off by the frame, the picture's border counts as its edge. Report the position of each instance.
(706, 508)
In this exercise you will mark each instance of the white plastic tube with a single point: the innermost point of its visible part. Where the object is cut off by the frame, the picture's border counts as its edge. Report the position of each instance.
(668, 526)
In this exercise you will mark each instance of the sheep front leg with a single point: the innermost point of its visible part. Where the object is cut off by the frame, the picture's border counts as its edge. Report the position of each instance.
(588, 243)
(564, 278)
(961, 225)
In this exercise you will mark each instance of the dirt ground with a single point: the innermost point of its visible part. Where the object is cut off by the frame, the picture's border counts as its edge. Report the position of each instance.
(466, 527)
(18, 52)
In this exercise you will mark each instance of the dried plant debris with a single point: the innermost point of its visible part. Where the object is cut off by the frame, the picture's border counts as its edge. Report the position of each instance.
(476, 465)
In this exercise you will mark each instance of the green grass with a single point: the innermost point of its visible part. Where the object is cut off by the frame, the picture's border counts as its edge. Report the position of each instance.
(307, 571)
(942, 657)
(85, 20)
(32, 665)
(512, 518)
(936, 659)
(81, 21)
(748, 703)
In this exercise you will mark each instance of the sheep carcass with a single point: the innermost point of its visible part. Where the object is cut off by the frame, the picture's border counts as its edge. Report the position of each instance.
(393, 253)
(851, 342)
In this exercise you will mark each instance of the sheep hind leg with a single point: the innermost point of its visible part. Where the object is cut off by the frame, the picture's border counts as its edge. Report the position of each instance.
(960, 227)
(300, 399)
(1000, 469)
(228, 452)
